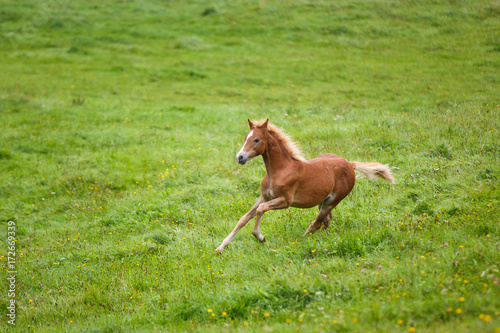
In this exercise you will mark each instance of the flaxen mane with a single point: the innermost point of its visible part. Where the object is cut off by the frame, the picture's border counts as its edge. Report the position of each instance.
(287, 142)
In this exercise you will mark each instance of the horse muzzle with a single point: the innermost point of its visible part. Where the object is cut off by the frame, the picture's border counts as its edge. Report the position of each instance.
(242, 158)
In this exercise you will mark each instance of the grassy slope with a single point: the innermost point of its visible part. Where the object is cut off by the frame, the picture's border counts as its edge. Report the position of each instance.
(119, 126)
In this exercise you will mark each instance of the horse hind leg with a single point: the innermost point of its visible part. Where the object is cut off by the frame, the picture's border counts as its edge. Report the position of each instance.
(326, 222)
(324, 216)
(318, 221)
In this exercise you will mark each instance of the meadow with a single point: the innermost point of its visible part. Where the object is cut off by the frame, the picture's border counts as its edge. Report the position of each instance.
(120, 121)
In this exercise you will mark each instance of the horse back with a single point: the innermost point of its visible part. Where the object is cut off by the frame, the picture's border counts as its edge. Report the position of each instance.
(325, 156)
(336, 169)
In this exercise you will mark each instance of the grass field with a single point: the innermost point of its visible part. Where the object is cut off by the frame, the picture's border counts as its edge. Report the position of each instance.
(119, 125)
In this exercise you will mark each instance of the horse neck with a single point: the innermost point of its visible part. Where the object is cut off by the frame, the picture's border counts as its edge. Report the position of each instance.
(276, 157)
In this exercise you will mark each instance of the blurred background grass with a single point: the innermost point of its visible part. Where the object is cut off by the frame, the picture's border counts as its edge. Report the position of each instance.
(120, 121)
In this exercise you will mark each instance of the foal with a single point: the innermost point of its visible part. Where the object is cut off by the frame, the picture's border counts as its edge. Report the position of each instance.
(291, 180)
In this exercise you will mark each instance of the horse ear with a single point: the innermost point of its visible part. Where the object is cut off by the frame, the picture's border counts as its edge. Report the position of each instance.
(264, 125)
(250, 124)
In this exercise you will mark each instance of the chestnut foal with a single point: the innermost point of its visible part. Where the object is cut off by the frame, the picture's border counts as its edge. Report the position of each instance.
(291, 180)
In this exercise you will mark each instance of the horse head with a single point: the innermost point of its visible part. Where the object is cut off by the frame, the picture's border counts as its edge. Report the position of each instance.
(255, 142)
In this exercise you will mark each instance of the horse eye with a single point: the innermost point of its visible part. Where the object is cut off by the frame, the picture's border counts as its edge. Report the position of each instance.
(256, 140)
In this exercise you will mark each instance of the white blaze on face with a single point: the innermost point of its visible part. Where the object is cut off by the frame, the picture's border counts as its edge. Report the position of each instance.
(248, 137)
(243, 156)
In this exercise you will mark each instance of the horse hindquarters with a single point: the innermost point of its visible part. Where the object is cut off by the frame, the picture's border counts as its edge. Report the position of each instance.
(344, 179)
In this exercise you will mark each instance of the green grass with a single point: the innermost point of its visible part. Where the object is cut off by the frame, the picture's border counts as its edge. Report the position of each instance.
(119, 125)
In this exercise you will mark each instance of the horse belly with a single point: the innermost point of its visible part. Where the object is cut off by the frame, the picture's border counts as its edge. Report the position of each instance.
(307, 202)
(316, 184)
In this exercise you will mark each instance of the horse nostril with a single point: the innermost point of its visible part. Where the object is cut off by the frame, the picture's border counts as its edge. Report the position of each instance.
(240, 157)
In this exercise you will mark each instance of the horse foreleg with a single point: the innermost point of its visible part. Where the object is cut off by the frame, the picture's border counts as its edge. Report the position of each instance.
(278, 203)
(241, 223)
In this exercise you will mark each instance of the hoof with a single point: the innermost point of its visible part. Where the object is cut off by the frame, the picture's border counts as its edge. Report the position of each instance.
(218, 250)
(308, 233)
(260, 238)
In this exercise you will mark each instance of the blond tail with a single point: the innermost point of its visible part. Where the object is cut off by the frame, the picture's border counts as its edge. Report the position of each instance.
(374, 170)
